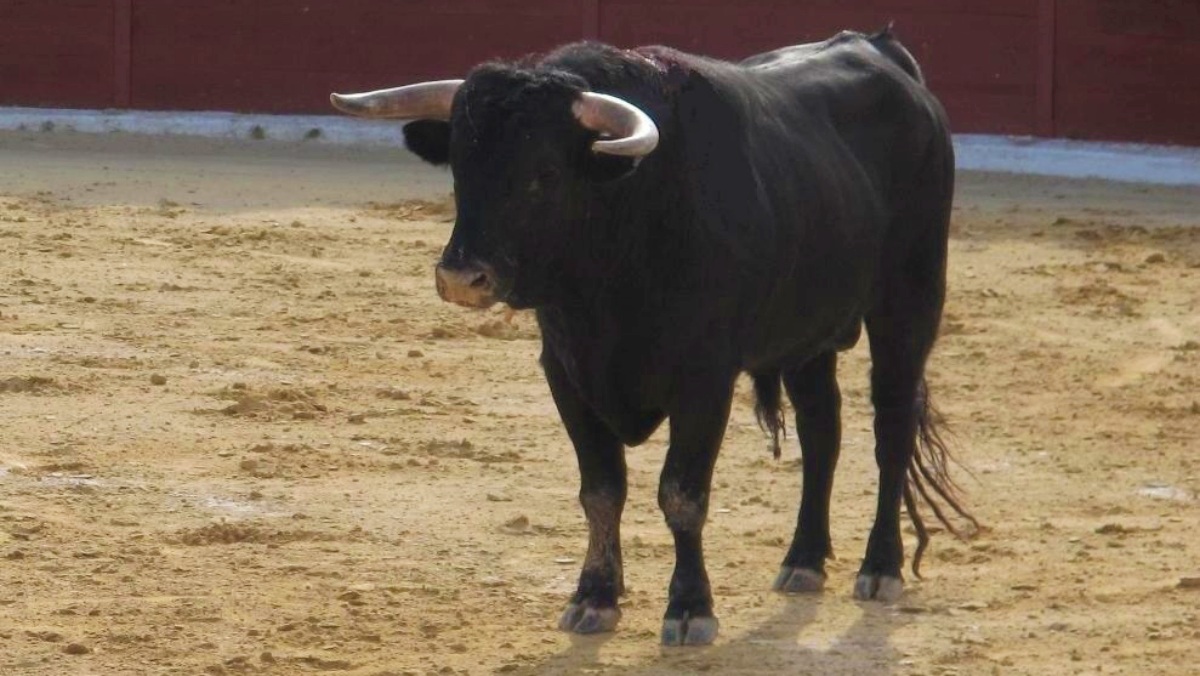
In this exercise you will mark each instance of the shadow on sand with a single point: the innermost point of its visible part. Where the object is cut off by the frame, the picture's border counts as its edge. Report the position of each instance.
(773, 647)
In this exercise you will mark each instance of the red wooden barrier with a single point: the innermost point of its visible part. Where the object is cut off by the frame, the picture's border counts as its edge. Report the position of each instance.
(980, 58)
(1128, 69)
(286, 56)
(56, 53)
(1108, 69)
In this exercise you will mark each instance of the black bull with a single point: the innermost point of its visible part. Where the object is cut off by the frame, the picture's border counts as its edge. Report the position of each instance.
(791, 199)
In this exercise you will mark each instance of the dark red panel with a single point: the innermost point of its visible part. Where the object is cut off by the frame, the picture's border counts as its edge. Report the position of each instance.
(1044, 124)
(1096, 69)
(590, 18)
(56, 53)
(1128, 70)
(122, 53)
(982, 62)
(286, 56)
(1027, 8)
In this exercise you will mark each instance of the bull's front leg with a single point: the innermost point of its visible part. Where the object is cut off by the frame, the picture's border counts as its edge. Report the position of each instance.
(593, 607)
(697, 427)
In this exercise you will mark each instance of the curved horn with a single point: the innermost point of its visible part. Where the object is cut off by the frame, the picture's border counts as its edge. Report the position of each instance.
(630, 130)
(421, 101)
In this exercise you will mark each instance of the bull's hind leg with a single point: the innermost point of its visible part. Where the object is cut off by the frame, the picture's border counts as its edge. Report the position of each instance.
(593, 607)
(902, 328)
(814, 392)
(697, 426)
(895, 374)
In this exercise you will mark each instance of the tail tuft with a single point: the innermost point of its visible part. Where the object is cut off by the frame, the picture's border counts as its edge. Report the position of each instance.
(929, 476)
(768, 408)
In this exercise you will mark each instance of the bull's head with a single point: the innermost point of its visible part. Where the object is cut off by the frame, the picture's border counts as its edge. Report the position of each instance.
(523, 146)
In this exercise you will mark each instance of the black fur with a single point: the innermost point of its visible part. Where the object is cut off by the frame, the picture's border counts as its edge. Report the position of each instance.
(885, 41)
(793, 197)
(428, 140)
(768, 408)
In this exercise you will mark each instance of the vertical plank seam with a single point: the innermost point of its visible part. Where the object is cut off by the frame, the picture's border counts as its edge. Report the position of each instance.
(590, 15)
(1044, 123)
(122, 53)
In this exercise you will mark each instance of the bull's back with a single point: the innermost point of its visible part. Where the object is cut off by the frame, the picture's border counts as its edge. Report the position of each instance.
(798, 56)
(853, 102)
(854, 83)
(849, 127)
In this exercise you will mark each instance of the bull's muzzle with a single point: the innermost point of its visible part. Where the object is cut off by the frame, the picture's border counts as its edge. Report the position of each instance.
(471, 286)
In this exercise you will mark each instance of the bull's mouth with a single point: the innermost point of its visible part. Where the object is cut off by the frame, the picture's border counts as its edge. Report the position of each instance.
(473, 303)
(473, 286)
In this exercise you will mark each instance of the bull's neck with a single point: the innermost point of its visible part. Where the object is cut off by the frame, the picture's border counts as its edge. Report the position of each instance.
(616, 258)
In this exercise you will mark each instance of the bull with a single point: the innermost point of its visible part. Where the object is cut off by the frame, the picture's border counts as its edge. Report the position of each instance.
(675, 221)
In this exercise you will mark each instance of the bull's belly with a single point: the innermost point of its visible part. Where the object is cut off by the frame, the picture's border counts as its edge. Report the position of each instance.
(790, 341)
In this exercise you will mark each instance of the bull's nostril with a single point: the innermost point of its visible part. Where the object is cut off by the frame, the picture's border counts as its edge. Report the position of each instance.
(480, 281)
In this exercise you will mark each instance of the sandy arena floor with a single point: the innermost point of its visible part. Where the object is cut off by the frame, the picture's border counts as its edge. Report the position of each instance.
(242, 435)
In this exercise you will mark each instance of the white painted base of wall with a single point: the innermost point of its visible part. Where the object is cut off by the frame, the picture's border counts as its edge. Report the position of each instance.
(1167, 165)
(329, 129)
(1132, 162)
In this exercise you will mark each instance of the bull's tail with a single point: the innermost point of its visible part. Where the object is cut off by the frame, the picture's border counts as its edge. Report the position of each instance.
(768, 407)
(928, 482)
(885, 41)
(929, 478)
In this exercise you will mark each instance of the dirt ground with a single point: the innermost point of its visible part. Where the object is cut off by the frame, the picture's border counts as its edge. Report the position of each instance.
(242, 435)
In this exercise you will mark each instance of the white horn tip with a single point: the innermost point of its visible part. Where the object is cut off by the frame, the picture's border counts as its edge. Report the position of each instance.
(339, 102)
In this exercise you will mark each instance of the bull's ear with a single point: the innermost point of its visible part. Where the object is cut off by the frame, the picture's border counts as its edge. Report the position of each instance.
(603, 168)
(429, 140)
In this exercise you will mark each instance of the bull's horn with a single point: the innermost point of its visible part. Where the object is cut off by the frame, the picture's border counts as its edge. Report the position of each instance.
(629, 131)
(421, 101)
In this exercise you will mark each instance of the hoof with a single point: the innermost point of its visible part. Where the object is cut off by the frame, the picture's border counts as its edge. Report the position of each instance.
(882, 588)
(579, 618)
(799, 581)
(689, 631)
